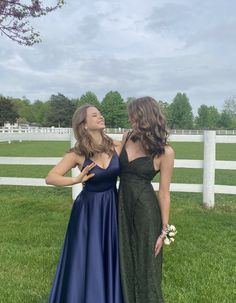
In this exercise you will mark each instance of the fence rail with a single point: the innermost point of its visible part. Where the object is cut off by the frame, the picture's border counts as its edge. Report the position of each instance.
(209, 164)
(66, 130)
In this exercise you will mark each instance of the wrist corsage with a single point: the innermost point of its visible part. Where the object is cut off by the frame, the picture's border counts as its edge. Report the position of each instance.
(168, 233)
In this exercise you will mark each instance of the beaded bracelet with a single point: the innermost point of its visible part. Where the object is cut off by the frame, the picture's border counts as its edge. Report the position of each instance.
(163, 234)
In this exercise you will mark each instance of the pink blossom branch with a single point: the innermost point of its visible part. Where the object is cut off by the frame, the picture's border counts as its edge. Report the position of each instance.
(14, 21)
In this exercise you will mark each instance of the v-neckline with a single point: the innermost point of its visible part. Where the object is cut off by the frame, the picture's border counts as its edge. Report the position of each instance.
(127, 157)
(100, 166)
(130, 161)
(138, 158)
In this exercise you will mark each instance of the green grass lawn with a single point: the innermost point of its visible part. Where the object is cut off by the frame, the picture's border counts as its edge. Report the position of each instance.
(34, 148)
(199, 267)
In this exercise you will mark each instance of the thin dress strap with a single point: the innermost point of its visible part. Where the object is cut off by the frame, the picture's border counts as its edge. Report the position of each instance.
(126, 139)
(128, 136)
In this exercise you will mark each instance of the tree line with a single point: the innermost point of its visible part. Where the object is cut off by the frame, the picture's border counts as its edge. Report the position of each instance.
(58, 110)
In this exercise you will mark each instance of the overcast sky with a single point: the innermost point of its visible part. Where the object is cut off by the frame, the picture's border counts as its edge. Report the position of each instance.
(151, 47)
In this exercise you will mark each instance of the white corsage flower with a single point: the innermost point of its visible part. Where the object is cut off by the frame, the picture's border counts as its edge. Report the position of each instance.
(172, 228)
(167, 241)
(169, 232)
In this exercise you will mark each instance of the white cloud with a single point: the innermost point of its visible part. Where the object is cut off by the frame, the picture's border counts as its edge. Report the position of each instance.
(135, 47)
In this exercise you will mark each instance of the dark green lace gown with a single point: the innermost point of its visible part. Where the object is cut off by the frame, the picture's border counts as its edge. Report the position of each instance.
(139, 226)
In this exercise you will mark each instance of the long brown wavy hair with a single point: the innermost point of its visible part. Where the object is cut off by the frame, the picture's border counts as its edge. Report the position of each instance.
(149, 125)
(85, 145)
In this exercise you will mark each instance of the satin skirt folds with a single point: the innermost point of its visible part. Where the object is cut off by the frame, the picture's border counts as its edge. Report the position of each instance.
(88, 269)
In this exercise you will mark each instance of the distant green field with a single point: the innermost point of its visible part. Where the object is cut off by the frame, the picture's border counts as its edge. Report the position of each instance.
(186, 150)
(199, 267)
(34, 148)
(57, 149)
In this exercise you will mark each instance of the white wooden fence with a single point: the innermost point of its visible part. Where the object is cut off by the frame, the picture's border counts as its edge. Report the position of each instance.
(208, 164)
(65, 130)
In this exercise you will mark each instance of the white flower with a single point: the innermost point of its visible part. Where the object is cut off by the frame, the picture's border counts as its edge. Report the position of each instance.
(167, 241)
(170, 233)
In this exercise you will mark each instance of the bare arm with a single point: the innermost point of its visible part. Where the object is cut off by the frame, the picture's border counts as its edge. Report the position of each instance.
(70, 160)
(166, 169)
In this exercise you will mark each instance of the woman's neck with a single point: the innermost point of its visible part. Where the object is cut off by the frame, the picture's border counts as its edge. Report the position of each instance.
(96, 135)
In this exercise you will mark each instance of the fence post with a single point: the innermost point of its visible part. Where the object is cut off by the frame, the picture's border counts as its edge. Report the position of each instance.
(209, 168)
(76, 188)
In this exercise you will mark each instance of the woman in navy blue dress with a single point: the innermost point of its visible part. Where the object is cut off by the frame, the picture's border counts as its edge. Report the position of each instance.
(88, 269)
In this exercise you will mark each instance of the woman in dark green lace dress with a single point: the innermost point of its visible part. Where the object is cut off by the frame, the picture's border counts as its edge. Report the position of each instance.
(142, 217)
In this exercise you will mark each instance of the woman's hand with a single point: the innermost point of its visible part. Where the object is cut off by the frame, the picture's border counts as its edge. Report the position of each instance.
(85, 175)
(57, 177)
(158, 245)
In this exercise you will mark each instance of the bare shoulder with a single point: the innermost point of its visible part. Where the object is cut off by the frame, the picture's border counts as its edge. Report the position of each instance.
(167, 159)
(125, 135)
(74, 158)
(118, 146)
(117, 142)
(169, 151)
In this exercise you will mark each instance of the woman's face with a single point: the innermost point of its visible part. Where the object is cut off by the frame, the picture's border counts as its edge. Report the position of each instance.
(94, 119)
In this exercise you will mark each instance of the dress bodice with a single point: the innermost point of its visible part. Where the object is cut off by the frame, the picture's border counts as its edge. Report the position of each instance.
(139, 169)
(104, 178)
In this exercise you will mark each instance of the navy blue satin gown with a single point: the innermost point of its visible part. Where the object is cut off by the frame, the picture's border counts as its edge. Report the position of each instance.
(88, 269)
